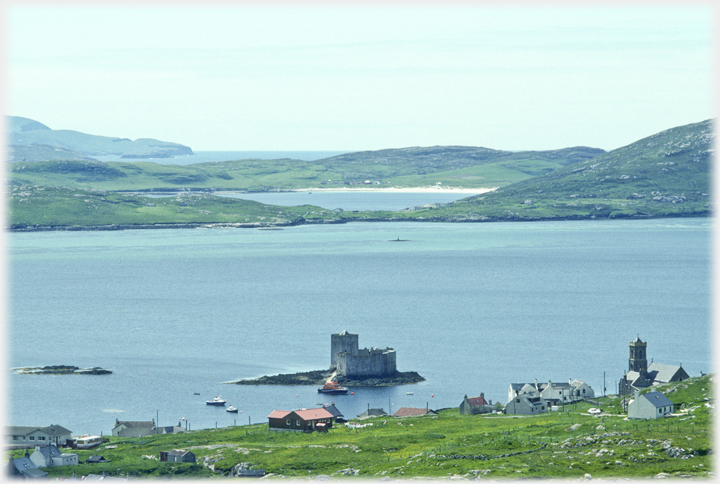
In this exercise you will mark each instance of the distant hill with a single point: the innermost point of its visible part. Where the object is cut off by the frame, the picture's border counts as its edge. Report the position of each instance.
(449, 166)
(30, 140)
(666, 173)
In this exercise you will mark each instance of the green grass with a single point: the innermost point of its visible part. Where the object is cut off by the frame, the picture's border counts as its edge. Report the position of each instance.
(496, 446)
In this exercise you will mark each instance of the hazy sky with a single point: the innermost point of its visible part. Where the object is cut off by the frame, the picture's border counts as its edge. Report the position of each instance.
(324, 77)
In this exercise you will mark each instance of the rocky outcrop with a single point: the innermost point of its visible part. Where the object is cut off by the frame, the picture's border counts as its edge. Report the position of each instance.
(319, 377)
(62, 370)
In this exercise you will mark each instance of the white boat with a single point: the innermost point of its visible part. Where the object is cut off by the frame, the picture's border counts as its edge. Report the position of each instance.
(217, 401)
(232, 409)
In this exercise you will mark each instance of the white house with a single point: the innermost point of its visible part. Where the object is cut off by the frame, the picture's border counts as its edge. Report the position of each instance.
(134, 428)
(525, 404)
(651, 405)
(19, 437)
(553, 392)
(49, 456)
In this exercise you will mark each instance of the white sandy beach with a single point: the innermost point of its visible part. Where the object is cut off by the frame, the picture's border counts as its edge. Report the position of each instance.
(429, 189)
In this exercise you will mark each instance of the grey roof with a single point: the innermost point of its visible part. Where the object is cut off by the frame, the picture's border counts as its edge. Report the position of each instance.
(19, 430)
(25, 466)
(55, 430)
(373, 412)
(179, 452)
(662, 373)
(136, 425)
(50, 450)
(657, 399)
(333, 410)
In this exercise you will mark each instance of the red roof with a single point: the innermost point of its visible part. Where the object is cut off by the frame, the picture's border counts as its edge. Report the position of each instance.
(279, 413)
(313, 414)
(477, 401)
(309, 414)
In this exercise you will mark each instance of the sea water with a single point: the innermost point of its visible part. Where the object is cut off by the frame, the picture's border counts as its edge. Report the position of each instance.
(471, 307)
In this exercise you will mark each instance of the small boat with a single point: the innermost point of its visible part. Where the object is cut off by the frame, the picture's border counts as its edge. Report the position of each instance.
(231, 409)
(217, 401)
(333, 388)
(408, 393)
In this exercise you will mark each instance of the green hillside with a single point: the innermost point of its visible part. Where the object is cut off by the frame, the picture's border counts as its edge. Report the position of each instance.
(567, 444)
(667, 174)
(409, 167)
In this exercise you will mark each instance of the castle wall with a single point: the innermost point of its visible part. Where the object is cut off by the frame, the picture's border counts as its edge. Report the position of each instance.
(373, 362)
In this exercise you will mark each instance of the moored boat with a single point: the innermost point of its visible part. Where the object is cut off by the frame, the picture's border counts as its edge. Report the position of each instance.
(333, 388)
(217, 401)
(231, 409)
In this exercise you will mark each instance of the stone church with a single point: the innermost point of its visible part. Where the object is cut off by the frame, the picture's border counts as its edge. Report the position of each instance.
(640, 375)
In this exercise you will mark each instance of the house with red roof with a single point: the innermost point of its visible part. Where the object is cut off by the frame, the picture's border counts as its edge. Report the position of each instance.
(305, 420)
(475, 405)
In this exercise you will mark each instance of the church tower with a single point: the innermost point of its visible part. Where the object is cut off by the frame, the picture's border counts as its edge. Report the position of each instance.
(638, 356)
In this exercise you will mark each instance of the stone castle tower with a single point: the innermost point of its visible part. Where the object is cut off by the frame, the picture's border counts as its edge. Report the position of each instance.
(342, 343)
(638, 356)
(351, 361)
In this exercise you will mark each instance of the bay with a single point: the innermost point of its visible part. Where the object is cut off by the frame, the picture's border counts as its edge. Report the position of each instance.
(471, 307)
(355, 199)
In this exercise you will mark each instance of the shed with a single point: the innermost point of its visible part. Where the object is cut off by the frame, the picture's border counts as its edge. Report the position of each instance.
(96, 459)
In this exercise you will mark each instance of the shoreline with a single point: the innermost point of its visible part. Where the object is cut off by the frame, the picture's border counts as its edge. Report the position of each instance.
(429, 189)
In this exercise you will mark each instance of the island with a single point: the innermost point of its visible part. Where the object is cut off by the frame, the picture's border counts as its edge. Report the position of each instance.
(61, 370)
(349, 366)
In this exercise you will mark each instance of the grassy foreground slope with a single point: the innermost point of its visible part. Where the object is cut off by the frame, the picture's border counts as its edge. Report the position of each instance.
(565, 444)
(452, 166)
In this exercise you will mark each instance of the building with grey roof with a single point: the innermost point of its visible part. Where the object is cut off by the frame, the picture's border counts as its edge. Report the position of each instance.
(22, 436)
(130, 428)
(51, 456)
(651, 405)
(24, 468)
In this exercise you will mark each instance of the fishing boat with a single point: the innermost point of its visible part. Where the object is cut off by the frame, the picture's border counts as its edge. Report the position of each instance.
(231, 409)
(333, 388)
(217, 401)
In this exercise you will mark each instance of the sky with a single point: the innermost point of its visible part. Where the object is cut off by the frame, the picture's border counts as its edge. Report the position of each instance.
(348, 77)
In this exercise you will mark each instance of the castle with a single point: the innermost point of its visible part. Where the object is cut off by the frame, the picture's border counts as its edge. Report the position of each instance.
(350, 361)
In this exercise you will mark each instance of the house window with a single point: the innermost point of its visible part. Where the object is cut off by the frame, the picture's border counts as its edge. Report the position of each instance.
(297, 423)
(517, 401)
(41, 438)
(32, 438)
(287, 422)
